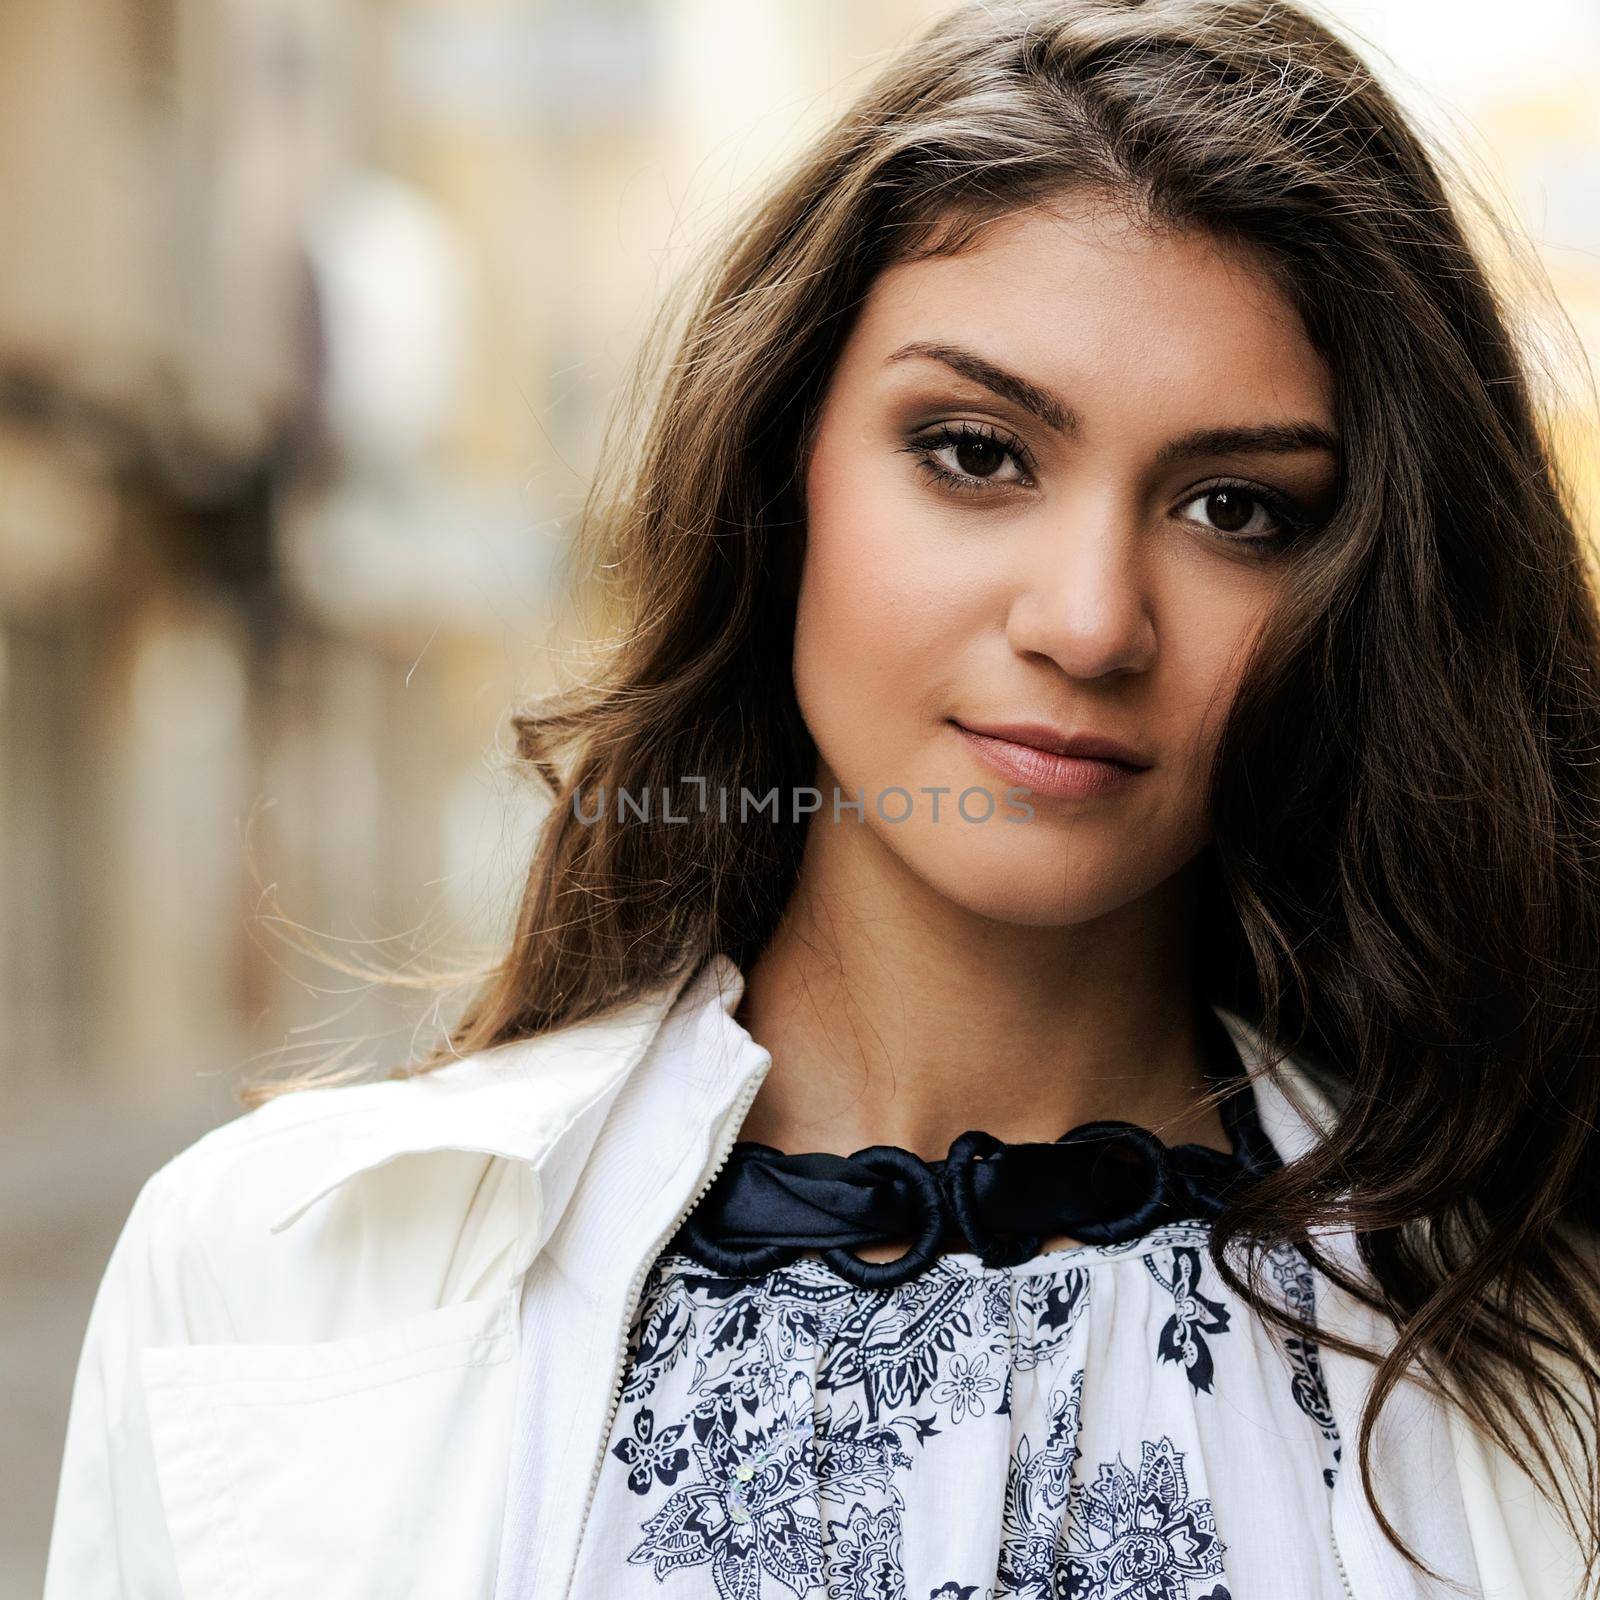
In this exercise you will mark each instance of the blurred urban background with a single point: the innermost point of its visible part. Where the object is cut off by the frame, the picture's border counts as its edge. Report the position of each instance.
(310, 314)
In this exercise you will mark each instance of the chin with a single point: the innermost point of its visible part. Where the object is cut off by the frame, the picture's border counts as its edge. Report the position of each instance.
(1043, 884)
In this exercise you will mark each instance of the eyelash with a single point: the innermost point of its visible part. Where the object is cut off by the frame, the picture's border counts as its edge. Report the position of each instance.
(1291, 516)
(948, 434)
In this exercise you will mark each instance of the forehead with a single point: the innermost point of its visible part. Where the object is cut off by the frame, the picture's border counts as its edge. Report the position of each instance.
(1084, 295)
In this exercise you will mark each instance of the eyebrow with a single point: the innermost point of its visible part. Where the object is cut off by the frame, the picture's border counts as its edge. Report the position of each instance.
(1049, 407)
(1276, 438)
(1267, 438)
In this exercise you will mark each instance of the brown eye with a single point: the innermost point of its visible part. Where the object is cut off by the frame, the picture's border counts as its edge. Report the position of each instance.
(967, 459)
(1229, 510)
(978, 456)
(1244, 514)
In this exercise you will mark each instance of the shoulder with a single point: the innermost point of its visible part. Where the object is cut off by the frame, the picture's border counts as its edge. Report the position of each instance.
(257, 1231)
(327, 1209)
(257, 1161)
(331, 1208)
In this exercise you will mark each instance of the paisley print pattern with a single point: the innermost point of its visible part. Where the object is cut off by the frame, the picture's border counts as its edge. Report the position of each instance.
(1292, 1274)
(1194, 1315)
(1119, 1533)
(1100, 1423)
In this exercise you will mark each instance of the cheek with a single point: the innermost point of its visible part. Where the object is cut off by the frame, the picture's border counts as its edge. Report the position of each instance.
(879, 609)
(1206, 658)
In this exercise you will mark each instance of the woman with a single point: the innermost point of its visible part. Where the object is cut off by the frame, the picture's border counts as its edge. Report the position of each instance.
(1101, 646)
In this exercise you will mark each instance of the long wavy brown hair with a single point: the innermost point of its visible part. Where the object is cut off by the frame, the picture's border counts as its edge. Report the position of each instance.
(1401, 888)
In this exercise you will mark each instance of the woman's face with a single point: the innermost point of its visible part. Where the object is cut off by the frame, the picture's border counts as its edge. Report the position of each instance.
(1044, 490)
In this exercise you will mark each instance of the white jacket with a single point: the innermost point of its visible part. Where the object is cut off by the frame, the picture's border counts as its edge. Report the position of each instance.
(300, 1376)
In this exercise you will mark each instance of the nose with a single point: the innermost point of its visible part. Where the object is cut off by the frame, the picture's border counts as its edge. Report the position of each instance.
(1083, 599)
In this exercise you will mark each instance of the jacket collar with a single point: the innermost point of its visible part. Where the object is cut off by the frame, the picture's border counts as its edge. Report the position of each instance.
(541, 1101)
(524, 1101)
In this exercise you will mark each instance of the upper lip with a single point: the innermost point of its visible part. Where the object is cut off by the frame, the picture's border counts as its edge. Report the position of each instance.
(1093, 746)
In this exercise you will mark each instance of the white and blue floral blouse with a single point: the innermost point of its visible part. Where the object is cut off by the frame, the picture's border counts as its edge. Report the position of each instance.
(1100, 1422)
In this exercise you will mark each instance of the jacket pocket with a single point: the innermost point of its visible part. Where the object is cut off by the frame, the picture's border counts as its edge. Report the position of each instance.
(362, 1468)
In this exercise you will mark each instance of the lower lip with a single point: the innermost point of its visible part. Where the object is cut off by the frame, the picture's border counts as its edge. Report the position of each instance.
(1042, 772)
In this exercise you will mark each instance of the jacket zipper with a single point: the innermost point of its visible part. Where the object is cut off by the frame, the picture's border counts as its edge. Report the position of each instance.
(1338, 1560)
(726, 1139)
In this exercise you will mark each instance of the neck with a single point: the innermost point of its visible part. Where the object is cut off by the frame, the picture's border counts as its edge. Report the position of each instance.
(894, 1016)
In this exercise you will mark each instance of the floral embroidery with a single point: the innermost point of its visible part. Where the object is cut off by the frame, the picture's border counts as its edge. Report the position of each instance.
(893, 1345)
(1156, 1538)
(966, 1386)
(802, 1405)
(1143, 1538)
(652, 1457)
(1193, 1314)
(745, 1514)
(866, 1554)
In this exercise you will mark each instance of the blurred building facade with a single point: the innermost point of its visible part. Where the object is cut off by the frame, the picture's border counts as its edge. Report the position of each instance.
(310, 311)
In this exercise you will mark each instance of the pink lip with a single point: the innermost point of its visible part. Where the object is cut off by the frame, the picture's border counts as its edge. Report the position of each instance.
(1051, 763)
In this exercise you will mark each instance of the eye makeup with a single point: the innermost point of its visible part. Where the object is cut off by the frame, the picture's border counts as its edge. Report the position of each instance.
(937, 450)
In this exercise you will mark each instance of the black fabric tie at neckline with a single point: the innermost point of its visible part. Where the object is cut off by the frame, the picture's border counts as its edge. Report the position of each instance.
(1099, 1183)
